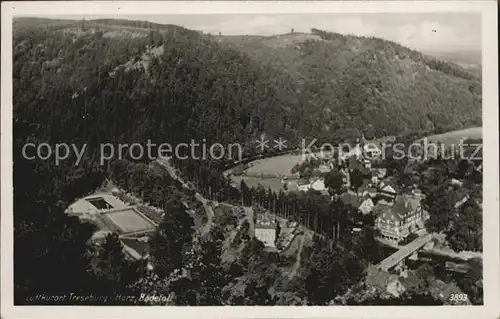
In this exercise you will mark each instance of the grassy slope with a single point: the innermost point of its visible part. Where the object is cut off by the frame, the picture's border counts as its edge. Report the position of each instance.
(454, 137)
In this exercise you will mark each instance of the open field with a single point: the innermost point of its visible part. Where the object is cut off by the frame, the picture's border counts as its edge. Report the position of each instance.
(279, 165)
(454, 137)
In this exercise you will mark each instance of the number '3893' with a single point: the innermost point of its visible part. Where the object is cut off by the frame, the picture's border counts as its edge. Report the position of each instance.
(458, 297)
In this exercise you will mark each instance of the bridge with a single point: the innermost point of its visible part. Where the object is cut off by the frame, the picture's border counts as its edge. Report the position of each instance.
(405, 252)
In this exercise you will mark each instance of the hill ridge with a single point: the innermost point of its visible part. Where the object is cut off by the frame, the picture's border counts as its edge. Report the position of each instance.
(328, 88)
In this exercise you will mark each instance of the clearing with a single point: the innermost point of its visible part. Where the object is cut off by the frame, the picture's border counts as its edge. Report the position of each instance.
(454, 137)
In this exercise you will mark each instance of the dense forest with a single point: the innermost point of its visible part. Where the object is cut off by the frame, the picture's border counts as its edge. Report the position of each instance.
(106, 81)
(348, 83)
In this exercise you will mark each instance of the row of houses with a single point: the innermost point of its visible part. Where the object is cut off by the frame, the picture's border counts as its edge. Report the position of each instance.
(397, 214)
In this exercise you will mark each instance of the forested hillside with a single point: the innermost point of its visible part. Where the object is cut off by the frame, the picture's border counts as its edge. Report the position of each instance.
(349, 82)
(322, 85)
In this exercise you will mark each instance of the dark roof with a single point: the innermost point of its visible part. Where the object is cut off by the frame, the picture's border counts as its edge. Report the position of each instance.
(412, 200)
(141, 247)
(398, 211)
(390, 215)
(401, 207)
(351, 199)
(264, 226)
(370, 190)
(365, 171)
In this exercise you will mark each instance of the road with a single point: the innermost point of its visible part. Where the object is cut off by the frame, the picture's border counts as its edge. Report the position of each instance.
(208, 209)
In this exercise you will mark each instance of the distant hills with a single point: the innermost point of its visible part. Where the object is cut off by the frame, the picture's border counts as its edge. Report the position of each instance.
(322, 85)
(465, 59)
(354, 82)
(469, 60)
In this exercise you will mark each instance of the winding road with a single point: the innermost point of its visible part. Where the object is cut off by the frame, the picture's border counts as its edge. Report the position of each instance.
(208, 209)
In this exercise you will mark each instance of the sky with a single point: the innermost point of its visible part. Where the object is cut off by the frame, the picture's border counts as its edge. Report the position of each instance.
(424, 32)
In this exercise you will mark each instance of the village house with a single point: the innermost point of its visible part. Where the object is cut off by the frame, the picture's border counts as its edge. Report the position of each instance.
(303, 184)
(378, 175)
(324, 168)
(362, 203)
(265, 231)
(388, 190)
(136, 248)
(397, 221)
(317, 184)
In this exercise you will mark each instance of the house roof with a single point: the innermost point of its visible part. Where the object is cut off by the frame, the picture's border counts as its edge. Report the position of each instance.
(365, 170)
(264, 225)
(264, 222)
(371, 190)
(318, 179)
(401, 207)
(324, 168)
(413, 201)
(351, 199)
(390, 215)
(380, 208)
(378, 278)
(396, 212)
(388, 182)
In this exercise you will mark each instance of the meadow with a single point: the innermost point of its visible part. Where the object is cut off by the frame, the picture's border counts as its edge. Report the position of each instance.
(280, 165)
(454, 137)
